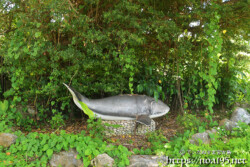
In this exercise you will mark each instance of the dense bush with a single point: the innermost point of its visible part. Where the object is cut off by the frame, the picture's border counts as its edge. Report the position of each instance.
(104, 48)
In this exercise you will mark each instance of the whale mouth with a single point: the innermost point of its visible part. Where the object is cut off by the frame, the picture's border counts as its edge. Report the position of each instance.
(160, 113)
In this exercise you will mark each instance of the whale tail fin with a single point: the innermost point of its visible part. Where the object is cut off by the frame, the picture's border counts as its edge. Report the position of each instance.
(80, 101)
(77, 96)
(73, 92)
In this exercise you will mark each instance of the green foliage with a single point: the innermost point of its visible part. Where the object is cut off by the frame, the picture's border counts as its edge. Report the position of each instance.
(157, 141)
(95, 127)
(106, 48)
(3, 106)
(189, 121)
(235, 144)
(130, 62)
(213, 43)
(151, 84)
(57, 119)
(230, 145)
(36, 149)
(5, 116)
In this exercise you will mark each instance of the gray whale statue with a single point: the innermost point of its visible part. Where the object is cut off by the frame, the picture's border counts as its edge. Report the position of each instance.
(123, 107)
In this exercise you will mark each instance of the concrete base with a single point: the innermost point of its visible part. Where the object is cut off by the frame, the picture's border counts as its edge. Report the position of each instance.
(126, 127)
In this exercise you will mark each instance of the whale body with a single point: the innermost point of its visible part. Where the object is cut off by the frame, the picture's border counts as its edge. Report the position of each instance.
(141, 108)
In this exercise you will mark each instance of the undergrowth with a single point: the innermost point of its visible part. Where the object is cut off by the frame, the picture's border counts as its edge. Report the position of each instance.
(226, 148)
(36, 149)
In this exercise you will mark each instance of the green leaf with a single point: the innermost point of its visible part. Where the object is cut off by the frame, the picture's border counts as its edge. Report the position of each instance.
(59, 147)
(86, 110)
(18, 99)
(139, 88)
(78, 156)
(9, 92)
(201, 129)
(52, 103)
(26, 50)
(38, 25)
(202, 94)
(49, 152)
(38, 34)
(4, 106)
(16, 56)
(96, 152)
(87, 152)
(45, 147)
(156, 96)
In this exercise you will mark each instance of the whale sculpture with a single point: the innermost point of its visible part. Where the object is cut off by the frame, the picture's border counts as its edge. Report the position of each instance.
(123, 107)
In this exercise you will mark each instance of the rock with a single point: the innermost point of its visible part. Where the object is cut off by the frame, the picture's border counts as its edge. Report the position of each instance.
(240, 114)
(213, 131)
(242, 105)
(30, 112)
(245, 105)
(204, 137)
(147, 161)
(66, 159)
(102, 160)
(6, 139)
(229, 125)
